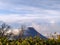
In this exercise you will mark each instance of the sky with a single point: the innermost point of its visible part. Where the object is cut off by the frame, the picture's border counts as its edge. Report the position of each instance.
(43, 15)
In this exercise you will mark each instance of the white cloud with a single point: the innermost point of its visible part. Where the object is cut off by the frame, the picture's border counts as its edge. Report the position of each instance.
(8, 5)
(14, 18)
(10, 18)
(33, 13)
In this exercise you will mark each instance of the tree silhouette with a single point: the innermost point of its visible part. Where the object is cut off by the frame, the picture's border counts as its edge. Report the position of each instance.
(3, 29)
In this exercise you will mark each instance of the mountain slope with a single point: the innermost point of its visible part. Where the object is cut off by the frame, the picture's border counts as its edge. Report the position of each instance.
(32, 32)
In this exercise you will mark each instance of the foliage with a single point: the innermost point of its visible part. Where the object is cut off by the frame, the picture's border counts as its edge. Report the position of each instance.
(25, 41)
(29, 41)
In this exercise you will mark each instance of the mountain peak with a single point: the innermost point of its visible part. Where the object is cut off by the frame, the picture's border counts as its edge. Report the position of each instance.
(32, 32)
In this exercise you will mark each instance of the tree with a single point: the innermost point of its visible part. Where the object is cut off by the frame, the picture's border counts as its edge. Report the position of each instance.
(22, 30)
(4, 27)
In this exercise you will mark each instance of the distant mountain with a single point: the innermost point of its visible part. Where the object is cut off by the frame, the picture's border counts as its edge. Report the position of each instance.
(32, 32)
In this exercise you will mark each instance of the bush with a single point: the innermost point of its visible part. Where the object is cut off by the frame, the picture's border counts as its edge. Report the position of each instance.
(29, 41)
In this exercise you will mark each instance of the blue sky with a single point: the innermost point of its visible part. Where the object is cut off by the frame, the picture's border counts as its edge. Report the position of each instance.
(45, 13)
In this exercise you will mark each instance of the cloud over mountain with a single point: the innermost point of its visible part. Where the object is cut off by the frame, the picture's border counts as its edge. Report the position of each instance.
(16, 12)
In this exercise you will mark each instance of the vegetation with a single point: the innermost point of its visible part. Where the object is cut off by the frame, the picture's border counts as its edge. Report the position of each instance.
(4, 40)
(29, 41)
